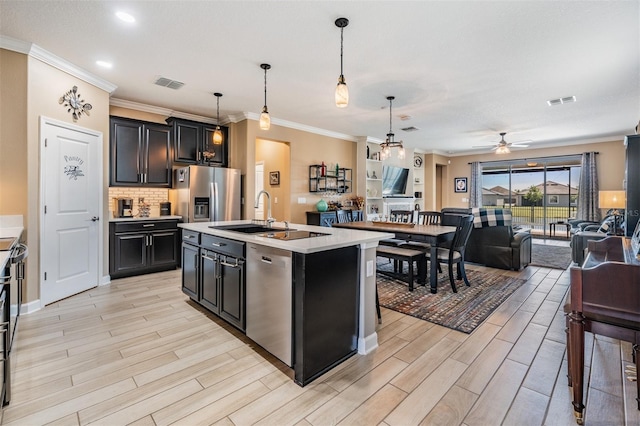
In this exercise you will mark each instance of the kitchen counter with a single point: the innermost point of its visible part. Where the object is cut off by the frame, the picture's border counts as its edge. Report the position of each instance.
(353, 255)
(336, 238)
(135, 219)
(10, 226)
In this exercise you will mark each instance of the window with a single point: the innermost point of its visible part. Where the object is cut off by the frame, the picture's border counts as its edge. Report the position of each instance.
(554, 199)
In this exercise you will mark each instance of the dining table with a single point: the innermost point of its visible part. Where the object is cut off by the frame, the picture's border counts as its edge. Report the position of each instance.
(434, 235)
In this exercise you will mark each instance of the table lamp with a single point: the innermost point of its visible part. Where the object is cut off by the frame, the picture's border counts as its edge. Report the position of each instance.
(612, 200)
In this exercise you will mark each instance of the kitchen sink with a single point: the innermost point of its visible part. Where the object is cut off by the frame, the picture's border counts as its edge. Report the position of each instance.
(247, 228)
(291, 234)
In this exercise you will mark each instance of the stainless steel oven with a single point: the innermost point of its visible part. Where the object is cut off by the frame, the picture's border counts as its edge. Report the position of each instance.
(11, 282)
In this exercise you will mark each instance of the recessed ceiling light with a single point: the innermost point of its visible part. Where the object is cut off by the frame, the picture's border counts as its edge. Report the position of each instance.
(124, 16)
(104, 64)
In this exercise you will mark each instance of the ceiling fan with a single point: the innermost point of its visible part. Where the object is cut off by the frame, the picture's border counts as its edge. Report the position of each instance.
(502, 147)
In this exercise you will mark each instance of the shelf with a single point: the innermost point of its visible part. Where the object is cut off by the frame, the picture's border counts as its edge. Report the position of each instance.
(341, 183)
(374, 180)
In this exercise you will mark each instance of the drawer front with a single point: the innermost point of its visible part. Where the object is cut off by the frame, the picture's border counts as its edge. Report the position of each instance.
(411, 237)
(191, 237)
(223, 245)
(145, 225)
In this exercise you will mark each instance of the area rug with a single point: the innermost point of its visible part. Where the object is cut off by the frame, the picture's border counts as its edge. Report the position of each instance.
(555, 257)
(462, 311)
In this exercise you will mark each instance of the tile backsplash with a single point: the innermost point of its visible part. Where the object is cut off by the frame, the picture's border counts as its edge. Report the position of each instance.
(152, 196)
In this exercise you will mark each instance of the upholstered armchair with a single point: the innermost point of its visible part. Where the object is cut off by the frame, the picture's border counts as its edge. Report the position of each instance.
(493, 243)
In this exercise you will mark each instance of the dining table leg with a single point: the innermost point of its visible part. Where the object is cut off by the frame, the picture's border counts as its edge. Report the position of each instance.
(433, 273)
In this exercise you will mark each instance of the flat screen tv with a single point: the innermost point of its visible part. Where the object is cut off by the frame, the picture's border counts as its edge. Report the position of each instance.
(394, 180)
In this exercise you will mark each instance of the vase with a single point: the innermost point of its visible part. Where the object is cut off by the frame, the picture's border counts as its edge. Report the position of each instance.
(322, 206)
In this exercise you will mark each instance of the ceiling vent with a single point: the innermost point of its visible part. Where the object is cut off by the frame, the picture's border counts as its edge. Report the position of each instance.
(410, 129)
(560, 101)
(167, 82)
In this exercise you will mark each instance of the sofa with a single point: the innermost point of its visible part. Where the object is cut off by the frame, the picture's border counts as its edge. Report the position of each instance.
(493, 244)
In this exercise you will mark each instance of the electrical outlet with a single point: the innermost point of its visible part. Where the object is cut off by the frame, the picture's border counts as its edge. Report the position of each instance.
(369, 268)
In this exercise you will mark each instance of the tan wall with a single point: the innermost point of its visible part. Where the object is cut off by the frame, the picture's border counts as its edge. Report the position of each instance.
(610, 161)
(13, 134)
(31, 90)
(305, 149)
(276, 157)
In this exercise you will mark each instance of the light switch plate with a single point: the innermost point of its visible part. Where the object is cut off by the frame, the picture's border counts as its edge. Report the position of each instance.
(369, 268)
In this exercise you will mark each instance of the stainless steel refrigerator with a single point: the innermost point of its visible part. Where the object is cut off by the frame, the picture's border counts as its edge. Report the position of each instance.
(205, 194)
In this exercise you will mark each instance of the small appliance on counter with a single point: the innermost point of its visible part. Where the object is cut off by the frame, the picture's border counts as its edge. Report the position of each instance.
(122, 207)
(165, 208)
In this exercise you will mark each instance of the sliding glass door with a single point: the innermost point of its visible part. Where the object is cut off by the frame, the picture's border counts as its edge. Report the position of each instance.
(542, 193)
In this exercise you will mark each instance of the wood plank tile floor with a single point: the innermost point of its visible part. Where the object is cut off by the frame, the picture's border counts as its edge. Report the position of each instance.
(139, 352)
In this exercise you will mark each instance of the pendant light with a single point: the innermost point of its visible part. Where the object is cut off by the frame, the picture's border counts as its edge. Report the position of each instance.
(217, 134)
(342, 91)
(390, 142)
(265, 120)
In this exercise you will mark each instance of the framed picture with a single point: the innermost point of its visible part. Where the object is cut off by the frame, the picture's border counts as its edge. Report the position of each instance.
(460, 184)
(274, 178)
(375, 156)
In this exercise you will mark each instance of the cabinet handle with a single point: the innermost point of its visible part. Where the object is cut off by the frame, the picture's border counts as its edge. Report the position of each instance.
(218, 244)
(204, 256)
(149, 225)
(150, 240)
(265, 259)
(231, 265)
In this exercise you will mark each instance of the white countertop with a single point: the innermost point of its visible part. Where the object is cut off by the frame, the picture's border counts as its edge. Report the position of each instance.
(10, 226)
(136, 219)
(337, 238)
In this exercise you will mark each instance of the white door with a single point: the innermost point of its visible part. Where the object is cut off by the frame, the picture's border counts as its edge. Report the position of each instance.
(71, 238)
(259, 187)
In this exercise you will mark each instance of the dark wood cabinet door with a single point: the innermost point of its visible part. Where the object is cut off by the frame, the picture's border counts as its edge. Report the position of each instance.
(157, 157)
(232, 283)
(126, 149)
(163, 248)
(632, 178)
(209, 281)
(130, 252)
(187, 139)
(220, 151)
(190, 259)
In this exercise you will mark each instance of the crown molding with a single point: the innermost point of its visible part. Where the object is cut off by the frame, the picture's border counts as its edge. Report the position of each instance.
(167, 112)
(302, 127)
(37, 52)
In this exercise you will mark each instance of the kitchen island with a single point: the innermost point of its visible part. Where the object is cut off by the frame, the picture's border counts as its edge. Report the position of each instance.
(324, 311)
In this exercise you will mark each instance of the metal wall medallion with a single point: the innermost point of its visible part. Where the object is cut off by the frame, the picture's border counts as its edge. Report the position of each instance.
(74, 103)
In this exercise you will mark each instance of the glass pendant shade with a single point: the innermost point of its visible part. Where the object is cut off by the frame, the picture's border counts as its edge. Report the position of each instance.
(217, 136)
(265, 120)
(503, 150)
(342, 93)
(390, 142)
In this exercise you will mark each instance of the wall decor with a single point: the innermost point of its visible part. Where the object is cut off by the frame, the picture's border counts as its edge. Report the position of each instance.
(74, 103)
(460, 184)
(274, 178)
(417, 161)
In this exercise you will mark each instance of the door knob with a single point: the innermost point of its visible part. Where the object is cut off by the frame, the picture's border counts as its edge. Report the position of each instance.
(95, 219)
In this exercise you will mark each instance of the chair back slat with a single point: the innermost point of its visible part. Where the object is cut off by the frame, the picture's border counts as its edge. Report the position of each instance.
(344, 216)
(428, 218)
(403, 216)
(463, 231)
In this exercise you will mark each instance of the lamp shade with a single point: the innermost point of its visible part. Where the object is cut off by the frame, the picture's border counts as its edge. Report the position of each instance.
(611, 199)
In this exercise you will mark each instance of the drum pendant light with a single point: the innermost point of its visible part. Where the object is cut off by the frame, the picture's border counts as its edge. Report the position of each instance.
(265, 120)
(217, 134)
(342, 91)
(390, 142)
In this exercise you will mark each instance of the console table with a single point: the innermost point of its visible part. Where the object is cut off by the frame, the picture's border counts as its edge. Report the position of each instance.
(329, 217)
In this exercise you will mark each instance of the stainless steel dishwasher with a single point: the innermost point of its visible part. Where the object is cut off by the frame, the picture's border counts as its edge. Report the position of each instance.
(269, 300)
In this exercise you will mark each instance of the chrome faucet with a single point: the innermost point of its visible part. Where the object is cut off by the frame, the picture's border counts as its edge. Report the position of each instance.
(270, 220)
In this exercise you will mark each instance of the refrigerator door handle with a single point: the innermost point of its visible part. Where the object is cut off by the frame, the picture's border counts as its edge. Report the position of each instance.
(216, 206)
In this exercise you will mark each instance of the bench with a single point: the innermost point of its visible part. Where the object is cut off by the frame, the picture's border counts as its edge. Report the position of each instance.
(401, 254)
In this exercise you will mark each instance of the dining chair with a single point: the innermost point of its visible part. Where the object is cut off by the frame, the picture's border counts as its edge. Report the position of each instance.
(454, 254)
(428, 218)
(344, 216)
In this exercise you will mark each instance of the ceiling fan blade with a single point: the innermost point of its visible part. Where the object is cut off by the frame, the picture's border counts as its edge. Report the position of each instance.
(518, 145)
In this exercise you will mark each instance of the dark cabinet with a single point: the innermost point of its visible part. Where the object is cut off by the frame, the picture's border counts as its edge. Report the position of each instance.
(214, 275)
(632, 182)
(191, 139)
(140, 153)
(142, 247)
